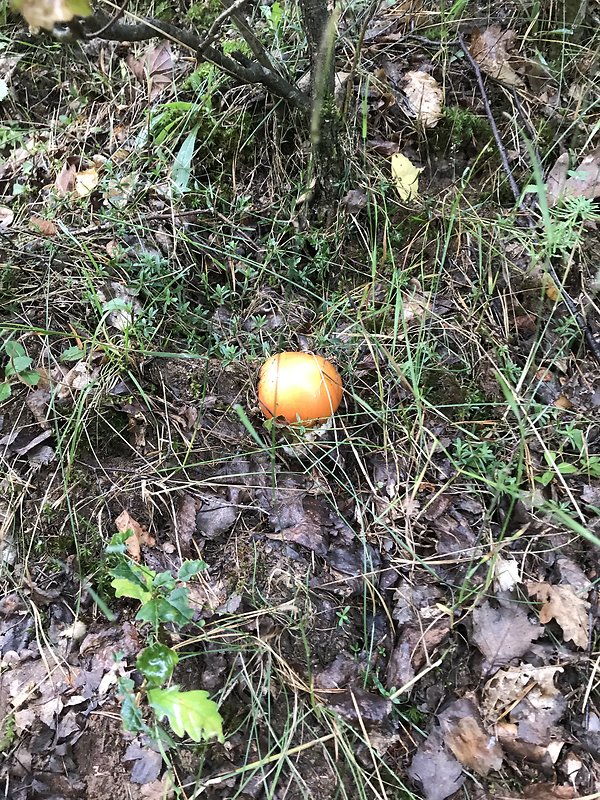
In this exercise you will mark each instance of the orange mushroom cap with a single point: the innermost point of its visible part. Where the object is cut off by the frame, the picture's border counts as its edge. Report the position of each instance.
(299, 387)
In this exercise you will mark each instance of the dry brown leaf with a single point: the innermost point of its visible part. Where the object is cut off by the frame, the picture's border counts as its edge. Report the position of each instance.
(45, 226)
(425, 97)
(503, 633)
(466, 738)
(562, 604)
(435, 769)
(159, 69)
(86, 181)
(490, 48)
(6, 217)
(585, 182)
(140, 536)
(505, 691)
(65, 180)
(557, 177)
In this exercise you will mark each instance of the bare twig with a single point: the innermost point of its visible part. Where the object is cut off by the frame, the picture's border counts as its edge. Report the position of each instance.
(251, 72)
(488, 111)
(214, 29)
(584, 327)
(117, 16)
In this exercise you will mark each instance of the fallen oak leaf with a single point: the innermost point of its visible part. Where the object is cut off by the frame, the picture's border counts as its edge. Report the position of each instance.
(489, 48)
(139, 535)
(44, 226)
(65, 180)
(585, 180)
(86, 181)
(563, 605)
(425, 97)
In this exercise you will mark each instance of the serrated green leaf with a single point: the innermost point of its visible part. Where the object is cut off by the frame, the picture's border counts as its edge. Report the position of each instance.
(154, 611)
(5, 391)
(139, 574)
(125, 588)
(179, 600)
(156, 663)
(172, 608)
(130, 712)
(163, 580)
(192, 712)
(190, 568)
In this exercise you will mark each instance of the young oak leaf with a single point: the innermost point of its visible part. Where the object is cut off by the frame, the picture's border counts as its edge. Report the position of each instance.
(192, 712)
(406, 177)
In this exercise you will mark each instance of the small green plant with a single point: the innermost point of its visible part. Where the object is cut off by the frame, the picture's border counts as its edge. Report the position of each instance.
(163, 599)
(18, 369)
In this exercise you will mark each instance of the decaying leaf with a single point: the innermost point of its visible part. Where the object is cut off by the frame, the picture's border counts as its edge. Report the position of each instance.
(6, 217)
(543, 756)
(506, 574)
(503, 693)
(549, 791)
(46, 13)
(435, 769)
(118, 191)
(556, 179)
(215, 516)
(119, 304)
(490, 48)
(584, 181)
(562, 604)
(503, 633)
(465, 736)
(425, 97)
(406, 177)
(65, 180)
(86, 180)
(140, 536)
(44, 226)
(75, 380)
(159, 69)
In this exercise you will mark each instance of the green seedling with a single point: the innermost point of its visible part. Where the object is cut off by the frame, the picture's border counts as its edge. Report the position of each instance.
(163, 599)
(18, 369)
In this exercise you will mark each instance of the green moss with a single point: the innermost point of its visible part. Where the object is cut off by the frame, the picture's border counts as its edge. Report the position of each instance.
(462, 127)
(204, 13)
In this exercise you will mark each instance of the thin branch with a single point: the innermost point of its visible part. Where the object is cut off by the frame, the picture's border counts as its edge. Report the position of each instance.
(213, 31)
(102, 26)
(488, 110)
(583, 325)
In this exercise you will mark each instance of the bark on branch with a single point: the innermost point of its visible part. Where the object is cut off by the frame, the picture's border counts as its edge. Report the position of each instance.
(260, 71)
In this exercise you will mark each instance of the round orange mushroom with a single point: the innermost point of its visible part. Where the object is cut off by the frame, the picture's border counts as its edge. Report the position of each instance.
(300, 387)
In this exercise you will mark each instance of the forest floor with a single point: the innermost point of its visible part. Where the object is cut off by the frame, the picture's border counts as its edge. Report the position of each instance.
(400, 604)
